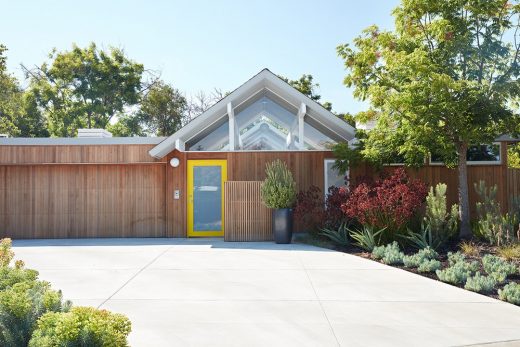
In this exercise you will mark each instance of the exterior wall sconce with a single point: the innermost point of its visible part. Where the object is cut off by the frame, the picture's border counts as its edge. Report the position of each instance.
(174, 162)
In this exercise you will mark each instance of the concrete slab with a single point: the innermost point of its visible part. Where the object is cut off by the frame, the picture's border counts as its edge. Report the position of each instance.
(208, 292)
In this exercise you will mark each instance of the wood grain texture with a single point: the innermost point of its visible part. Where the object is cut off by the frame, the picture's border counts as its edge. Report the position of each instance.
(74, 201)
(247, 219)
(92, 154)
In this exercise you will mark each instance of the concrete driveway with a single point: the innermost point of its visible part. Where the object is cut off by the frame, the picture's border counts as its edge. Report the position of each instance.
(181, 292)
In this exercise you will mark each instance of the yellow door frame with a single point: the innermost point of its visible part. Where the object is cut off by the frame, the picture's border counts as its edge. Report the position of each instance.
(190, 182)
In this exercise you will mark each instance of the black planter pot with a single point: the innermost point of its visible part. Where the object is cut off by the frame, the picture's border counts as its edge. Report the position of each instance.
(282, 225)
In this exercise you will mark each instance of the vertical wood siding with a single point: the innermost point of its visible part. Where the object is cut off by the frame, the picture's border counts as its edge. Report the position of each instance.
(247, 219)
(73, 201)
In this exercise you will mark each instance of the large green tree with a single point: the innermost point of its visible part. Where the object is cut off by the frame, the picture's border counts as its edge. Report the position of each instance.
(19, 115)
(162, 110)
(85, 87)
(446, 78)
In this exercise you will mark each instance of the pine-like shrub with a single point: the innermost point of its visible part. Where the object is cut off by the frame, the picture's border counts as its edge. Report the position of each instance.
(494, 264)
(82, 326)
(510, 293)
(458, 273)
(279, 188)
(496, 228)
(421, 256)
(480, 284)
(441, 221)
(389, 254)
(431, 265)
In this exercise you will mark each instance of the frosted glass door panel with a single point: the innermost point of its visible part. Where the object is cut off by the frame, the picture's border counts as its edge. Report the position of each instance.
(207, 198)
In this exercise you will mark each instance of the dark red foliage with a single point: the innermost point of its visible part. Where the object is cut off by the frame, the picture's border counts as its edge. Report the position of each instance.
(309, 208)
(334, 215)
(387, 202)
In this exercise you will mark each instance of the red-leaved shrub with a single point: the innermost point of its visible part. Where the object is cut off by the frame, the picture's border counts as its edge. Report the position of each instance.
(309, 208)
(387, 202)
(314, 214)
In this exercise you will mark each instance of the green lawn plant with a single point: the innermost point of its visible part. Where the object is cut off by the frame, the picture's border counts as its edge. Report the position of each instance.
(279, 188)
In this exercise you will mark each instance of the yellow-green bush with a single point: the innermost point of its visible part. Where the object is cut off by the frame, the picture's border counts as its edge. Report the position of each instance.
(82, 326)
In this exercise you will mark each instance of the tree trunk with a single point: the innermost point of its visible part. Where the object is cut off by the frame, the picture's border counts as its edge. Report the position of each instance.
(465, 227)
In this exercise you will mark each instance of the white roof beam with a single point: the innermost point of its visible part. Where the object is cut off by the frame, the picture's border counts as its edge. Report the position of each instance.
(231, 116)
(301, 114)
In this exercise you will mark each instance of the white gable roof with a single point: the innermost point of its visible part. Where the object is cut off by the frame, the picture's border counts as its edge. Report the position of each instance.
(264, 80)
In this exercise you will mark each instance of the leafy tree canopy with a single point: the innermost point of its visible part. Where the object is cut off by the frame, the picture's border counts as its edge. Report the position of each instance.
(163, 109)
(85, 87)
(445, 79)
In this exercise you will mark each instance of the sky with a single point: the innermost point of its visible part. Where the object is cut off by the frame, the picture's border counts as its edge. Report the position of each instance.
(201, 45)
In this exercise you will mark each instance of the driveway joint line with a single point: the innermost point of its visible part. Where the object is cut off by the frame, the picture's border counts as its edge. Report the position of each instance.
(318, 299)
(134, 276)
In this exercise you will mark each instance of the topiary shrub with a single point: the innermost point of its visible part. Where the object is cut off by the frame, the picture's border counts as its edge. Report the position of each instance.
(510, 293)
(279, 188)
(82, 326)
(480, 284)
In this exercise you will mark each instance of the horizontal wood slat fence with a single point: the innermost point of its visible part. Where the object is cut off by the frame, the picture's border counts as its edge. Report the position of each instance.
(246, 217)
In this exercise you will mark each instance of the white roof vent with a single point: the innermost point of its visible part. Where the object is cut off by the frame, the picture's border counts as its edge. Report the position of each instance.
(93, 133)
(3, 136)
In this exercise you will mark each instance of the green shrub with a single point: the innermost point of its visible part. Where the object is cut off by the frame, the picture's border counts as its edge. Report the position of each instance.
(23, 299)
(6, 254)
(494, 264)
(339, 236)
(480, 284)
(442, 222)
(389, 254)
(494, 227)
(457, 273)
(366, 237)
(421, 256)
(279, 188)
(431, 265)
(82, 326)
(510, 252)
(510, 293)
(499, 277)
(456, 257)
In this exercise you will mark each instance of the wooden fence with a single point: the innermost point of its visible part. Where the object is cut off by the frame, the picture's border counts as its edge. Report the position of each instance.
(246, 218)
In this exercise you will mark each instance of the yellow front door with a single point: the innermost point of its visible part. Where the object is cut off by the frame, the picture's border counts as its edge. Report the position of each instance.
(206, 197)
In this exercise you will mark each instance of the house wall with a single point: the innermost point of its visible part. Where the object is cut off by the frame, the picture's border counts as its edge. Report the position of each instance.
(507, 180)
(307, 168)
(120, 191)
(81, 191)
